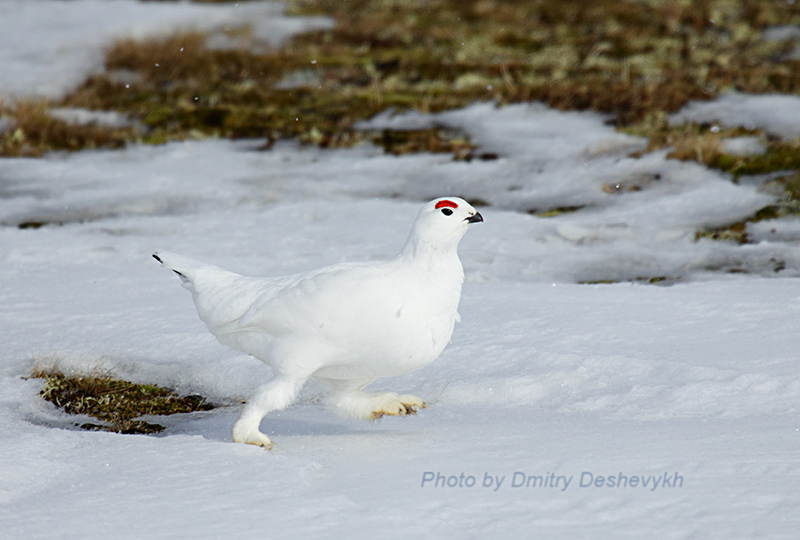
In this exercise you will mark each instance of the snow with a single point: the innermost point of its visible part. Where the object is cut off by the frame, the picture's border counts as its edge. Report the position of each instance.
(645, 228)
(697, 379)
(784, 33)
(781, 33)
(776, 114)
(743, 146)
(783, 230)
(544, 375)
(5, 124)
(83, 117)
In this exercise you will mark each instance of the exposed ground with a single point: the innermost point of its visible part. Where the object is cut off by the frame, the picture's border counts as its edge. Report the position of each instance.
(635, 60)
(118, 405)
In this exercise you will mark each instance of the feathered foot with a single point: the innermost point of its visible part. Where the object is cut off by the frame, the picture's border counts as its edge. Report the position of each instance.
(398, 406)
(351, 403)
(242, 434)
(276, 395)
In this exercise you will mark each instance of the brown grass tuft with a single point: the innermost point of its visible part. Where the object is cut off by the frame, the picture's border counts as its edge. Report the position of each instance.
(34, 131)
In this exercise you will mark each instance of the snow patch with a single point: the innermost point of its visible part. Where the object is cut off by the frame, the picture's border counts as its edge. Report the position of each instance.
(84, 117)
(743, 146)
(776, 114)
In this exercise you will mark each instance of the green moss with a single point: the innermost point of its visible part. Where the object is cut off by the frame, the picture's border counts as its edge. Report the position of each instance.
(118, 404)
(158, 115)
(779, 156)
(791, 186)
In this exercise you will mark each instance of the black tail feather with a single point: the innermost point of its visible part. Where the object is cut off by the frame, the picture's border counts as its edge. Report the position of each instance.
(156, 257)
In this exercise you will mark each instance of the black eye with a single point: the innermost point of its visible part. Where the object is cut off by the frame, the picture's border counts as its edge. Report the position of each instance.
(447, 212)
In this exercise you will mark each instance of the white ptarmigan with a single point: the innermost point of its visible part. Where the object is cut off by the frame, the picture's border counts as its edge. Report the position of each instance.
(344, 325)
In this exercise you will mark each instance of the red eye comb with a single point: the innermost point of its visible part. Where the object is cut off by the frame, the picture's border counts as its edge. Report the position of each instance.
(444, 203)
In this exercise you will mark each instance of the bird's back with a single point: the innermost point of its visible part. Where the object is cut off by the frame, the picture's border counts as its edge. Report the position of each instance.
(359, 316)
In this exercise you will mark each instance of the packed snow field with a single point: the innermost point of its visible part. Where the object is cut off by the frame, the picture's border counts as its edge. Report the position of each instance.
(560, 409)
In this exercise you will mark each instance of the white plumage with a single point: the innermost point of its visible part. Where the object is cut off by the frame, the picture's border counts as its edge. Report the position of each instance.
(344, 325)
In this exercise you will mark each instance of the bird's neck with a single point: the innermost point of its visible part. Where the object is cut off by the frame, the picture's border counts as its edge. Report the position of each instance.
(433, 256)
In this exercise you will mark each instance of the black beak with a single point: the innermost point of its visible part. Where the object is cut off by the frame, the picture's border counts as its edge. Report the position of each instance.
(476, 218)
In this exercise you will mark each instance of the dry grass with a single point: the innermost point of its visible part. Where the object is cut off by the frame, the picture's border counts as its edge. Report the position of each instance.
(704, 143)
(624, 57)
(427, 140)
(629, 58)
(689, 142)
(33, 132)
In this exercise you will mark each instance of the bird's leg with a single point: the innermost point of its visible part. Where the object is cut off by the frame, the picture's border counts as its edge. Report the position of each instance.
(356, 404)
(276, 395)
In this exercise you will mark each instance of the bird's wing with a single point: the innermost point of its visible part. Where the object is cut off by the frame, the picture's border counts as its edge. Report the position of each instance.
(311, 301)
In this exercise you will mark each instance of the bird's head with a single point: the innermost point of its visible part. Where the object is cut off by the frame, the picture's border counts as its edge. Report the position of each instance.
(442, 222)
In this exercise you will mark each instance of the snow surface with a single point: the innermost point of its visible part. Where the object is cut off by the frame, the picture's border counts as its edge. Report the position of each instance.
(84, 117)
(643, 228)
(776, 114)
(544, 375)
(743, 146)
(784, 33)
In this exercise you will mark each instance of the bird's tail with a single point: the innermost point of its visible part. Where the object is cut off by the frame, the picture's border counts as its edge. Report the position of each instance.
(185, 267)
(221, 297)
(197, 276)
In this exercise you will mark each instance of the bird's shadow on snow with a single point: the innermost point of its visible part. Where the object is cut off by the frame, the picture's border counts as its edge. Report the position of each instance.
(216, 425)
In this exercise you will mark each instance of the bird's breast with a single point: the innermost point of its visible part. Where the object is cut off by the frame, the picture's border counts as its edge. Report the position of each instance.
(393, 332)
